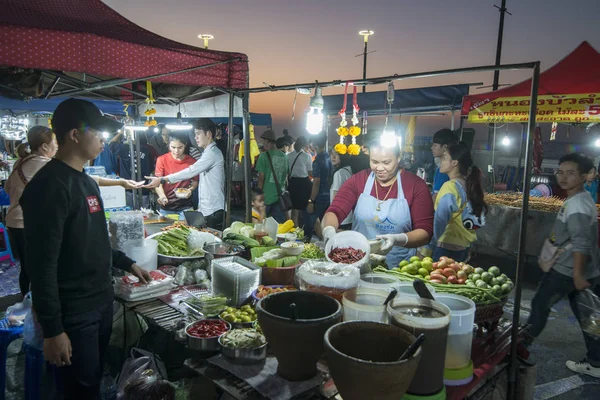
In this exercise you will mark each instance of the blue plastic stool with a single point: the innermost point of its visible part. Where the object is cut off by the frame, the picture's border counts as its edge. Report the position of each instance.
(34, 373)
(8, 252)
(7, 335)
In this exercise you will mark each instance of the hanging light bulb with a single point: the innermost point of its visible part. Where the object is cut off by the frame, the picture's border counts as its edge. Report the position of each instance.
(597, 143)
(105, 135)
(314, 117)
(506, 140)
(388, 137)
(155, 130)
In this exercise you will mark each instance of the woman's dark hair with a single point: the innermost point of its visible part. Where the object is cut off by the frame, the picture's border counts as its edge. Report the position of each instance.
(345, 161)
(584, 163)
(182, 137)
(461, 153)
(36, 137)
(300, 143)
(444, 137)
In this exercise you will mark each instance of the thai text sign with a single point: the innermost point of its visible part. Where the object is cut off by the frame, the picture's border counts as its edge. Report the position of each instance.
(550, 108)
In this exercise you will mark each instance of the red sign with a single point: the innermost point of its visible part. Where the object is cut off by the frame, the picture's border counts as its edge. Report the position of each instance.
(93, 204)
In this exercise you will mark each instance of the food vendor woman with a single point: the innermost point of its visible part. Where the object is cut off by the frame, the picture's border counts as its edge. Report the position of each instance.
(388, 203)
(177, 159)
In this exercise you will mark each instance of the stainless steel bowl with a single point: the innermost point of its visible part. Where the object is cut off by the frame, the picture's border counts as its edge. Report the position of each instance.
(204, 344)
(252, 355)
(220, 249)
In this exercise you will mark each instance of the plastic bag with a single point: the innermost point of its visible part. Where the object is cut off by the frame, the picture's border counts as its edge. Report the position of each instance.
(148, 386)
(328, 278)
(17, 313)
(196, 239)
(184, 276)
(136, 364)
(32, 331)
(589, 310)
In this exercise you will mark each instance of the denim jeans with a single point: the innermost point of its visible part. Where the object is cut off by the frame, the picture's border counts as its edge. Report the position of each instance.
(89, 333)
(553, 288)
(458, 256)
(310, 219)
(274, 210)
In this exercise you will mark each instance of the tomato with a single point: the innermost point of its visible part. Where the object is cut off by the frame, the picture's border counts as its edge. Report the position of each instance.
(452, 279)
(449, 272)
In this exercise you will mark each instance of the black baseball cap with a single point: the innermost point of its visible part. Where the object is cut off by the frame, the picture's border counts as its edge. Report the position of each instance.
(80, 114)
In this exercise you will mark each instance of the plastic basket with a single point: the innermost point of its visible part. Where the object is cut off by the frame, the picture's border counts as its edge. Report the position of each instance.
(234, 278)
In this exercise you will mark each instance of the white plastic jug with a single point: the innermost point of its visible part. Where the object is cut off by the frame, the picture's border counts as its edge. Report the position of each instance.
(143, 251)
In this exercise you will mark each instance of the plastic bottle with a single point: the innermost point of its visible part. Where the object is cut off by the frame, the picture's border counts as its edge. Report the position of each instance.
(108, 388)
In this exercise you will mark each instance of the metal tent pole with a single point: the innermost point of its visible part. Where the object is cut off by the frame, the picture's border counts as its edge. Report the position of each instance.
(139, 192)
(386, 79)
(247, 161)
(132, 165)
(229, 163)
(124, 81)
(521, 257)
(520, 160)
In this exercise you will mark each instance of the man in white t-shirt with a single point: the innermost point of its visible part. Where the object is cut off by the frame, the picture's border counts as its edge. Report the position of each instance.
(300, 163)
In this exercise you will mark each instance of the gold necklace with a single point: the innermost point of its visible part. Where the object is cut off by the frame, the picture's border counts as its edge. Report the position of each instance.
(379, 202)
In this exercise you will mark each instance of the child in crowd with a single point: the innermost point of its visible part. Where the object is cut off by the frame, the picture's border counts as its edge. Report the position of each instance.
(459, 205)
(258, 206)
(575, 233)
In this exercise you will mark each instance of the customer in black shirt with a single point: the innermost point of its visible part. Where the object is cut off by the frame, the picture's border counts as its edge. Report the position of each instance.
(69, 251)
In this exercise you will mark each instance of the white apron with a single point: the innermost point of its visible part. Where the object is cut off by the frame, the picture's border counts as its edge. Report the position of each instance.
(393, 217)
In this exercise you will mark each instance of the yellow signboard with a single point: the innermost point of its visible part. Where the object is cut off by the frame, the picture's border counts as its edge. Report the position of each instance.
(550, 108)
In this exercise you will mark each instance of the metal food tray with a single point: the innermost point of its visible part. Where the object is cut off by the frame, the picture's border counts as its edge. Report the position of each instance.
(235, 282)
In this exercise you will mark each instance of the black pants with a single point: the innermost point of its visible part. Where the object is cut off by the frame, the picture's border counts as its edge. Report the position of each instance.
(215, 220)
(17, 240)
(89, 333)
(553, 288)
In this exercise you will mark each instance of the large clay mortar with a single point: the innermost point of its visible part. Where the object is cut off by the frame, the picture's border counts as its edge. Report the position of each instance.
(363, 360)
(297, 341)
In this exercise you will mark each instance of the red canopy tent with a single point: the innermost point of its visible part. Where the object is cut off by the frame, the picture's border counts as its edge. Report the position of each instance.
(47, 46)
(569, 91)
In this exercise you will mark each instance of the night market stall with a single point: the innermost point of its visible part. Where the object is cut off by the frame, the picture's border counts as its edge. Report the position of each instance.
(569, 93)
(222, 274)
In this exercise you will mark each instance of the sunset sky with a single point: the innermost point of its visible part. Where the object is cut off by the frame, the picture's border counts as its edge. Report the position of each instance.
(294, 41)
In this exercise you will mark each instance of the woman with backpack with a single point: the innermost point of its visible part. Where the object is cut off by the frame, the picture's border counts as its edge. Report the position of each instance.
(459, 206)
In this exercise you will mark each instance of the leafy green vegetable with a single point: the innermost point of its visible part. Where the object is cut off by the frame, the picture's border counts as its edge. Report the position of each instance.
(174, 243)
(268, 241)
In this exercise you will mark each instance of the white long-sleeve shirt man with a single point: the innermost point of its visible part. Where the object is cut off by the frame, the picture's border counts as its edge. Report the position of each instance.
(211, 189)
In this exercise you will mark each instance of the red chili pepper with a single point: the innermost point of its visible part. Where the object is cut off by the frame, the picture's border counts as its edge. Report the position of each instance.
(347, 255)
(208, 328)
